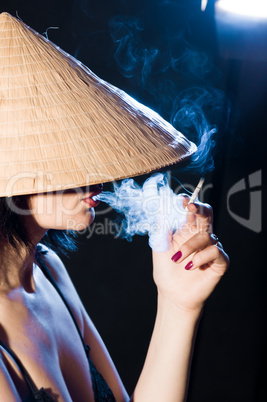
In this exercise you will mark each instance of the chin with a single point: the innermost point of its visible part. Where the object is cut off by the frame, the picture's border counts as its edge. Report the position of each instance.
(80, 224)
(91, 220)
(91, 216)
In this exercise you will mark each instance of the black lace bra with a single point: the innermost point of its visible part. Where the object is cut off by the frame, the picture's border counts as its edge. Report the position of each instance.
(102, 392)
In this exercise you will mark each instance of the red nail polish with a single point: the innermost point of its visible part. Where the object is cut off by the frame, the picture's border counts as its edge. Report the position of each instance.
(189, 265)
(177, 256)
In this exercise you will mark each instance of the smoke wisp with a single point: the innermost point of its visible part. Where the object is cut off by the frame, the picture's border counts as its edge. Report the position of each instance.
(178, 80)
(152, 209)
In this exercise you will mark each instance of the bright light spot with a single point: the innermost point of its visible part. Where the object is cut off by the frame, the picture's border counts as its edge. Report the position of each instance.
(248, 8)
(204, 4)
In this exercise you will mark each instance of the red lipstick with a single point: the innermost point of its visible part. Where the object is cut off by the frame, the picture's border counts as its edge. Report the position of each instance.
(92, 200)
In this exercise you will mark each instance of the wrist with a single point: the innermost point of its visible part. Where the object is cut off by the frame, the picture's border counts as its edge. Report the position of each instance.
(168, 308)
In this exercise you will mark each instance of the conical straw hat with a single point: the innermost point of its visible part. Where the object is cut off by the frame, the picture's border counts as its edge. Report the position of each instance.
(63, 127)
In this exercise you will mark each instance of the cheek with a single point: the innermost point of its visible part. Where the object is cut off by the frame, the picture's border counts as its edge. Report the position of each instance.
(43, 210)
(65, 212)
(69, 205)
(41, 204)
(70, 209)
(73, 214)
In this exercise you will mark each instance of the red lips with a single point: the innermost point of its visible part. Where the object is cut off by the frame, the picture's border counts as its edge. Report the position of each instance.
(96, 189)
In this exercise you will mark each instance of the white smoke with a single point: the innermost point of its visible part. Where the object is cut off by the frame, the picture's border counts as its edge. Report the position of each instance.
(152, 209)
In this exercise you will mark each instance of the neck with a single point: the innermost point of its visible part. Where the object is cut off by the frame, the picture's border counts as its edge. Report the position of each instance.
(16, 268)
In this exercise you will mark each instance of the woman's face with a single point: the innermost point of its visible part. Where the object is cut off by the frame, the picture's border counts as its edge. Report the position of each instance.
(65, 210)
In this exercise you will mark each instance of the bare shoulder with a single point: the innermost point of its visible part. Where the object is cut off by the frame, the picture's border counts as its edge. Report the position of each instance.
(60, 273)
(55, 265)
(98, 353)
(65, 284)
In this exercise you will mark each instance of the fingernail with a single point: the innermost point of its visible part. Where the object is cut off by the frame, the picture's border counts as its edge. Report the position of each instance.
(189, 265)
(177, 256)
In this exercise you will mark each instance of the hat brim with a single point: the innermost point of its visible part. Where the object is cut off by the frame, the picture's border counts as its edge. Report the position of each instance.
(63, 127)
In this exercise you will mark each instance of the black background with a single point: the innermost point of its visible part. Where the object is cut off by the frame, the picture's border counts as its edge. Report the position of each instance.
(112, 276)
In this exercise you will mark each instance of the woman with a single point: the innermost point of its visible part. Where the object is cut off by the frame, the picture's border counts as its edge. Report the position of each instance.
(46, 336)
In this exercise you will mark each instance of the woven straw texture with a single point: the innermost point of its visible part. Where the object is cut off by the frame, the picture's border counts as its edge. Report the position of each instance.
(62, 127)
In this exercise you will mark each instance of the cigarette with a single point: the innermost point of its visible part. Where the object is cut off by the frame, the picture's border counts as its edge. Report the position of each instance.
(197, 190)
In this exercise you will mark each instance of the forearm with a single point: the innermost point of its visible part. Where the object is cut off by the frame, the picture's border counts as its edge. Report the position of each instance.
(182, 295)
(165, 372)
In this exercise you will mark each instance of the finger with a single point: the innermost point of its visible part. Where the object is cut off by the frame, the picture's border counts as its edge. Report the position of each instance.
(212, 256)
(190, 218)
(202, 216)
(186, 199)
(197, 242)
(199, 218)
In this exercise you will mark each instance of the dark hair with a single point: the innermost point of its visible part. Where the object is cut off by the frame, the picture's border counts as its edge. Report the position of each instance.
(14, 231)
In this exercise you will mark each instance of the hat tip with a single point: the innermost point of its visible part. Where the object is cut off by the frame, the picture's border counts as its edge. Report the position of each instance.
(4, 15)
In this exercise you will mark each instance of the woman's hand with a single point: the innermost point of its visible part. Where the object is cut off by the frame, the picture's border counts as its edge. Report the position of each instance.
(188, 272)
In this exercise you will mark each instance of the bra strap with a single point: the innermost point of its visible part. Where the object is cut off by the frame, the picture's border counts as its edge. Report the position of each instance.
(24, 372)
